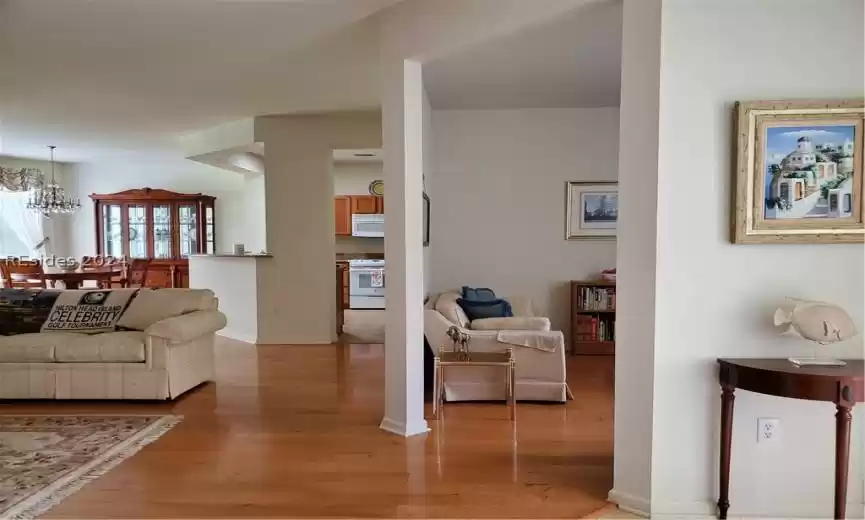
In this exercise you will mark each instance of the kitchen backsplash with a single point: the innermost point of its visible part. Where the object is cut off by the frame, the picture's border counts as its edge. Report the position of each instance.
(359, 245)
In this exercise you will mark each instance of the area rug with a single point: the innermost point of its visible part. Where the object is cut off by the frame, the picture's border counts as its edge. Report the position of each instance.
(44, 459)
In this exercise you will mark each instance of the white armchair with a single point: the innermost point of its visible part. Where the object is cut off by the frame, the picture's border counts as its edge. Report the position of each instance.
(540, 374)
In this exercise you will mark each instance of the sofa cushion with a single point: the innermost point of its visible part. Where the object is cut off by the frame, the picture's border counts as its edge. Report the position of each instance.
(110, 347)
(513, 323)
(151, 306)
(33, 348)
(448, 307)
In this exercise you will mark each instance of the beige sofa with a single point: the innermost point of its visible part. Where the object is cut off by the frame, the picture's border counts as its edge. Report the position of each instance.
(170, 353)
(540, 373)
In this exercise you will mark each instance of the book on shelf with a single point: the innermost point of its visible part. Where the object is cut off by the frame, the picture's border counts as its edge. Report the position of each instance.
(598, 299)
(595, 329)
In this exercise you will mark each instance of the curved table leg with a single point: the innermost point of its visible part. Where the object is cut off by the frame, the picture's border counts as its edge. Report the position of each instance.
(727, 398)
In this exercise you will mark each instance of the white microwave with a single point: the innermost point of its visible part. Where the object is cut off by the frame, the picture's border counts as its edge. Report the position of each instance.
(367, 225)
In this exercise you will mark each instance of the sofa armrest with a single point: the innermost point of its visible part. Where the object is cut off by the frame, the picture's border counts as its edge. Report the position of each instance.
(180, 329)
(531, 363)
(513, 323)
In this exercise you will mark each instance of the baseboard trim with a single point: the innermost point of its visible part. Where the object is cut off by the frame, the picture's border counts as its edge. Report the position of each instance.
(630, 503)
(237, 336)
(707, 510)
(400, 428)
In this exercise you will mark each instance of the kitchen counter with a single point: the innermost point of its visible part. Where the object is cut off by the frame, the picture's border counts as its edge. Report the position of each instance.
(235, 281)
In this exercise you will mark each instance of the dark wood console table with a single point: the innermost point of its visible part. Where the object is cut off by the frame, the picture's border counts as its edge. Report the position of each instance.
(844, 386)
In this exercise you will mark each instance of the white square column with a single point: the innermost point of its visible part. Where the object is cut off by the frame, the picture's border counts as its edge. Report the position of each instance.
(402, 128)
(636, 255)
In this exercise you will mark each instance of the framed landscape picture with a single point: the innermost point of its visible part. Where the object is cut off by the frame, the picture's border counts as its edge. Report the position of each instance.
(799, 167)
(592, 210)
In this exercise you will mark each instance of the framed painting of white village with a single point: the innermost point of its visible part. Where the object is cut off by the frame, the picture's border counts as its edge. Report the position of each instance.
(799, 169)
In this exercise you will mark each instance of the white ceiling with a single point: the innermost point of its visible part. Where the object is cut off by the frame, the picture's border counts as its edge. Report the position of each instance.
(102, 78)
(110, 79)
(574, 61)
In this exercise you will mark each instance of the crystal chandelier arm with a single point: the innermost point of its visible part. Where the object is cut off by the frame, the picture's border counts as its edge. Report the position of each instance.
(51, 198)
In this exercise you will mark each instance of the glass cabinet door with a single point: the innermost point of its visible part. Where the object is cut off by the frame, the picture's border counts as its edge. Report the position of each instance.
(187, 221)
(209, 237)
(136, 232)
(162, 247)
(112, 234)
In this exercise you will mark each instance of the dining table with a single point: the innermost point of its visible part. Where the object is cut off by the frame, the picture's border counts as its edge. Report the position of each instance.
(74, 279)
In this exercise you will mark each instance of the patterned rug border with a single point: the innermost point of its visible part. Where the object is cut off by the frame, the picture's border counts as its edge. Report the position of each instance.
(48, 497)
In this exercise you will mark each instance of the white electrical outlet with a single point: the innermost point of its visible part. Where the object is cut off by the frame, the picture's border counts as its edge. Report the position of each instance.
(767, 429)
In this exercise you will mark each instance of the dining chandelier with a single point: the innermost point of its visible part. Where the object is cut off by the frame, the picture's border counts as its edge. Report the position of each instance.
(50, 199)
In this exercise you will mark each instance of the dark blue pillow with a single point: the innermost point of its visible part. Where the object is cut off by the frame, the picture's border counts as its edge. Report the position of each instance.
(481, 294)
(488, 309)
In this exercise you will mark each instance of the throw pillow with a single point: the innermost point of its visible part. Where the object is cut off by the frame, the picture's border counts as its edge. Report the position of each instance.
(88, 311)
(480, 294)
(485, 309)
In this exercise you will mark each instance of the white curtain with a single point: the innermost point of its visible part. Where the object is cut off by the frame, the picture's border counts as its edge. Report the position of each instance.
(26, 224)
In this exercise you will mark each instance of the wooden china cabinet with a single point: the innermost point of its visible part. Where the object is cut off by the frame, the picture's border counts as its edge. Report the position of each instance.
(162, 226)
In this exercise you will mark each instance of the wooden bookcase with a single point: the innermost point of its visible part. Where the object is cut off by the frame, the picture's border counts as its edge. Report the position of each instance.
(593, 318)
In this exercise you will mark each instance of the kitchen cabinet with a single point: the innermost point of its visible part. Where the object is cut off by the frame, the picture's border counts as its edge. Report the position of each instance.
(342, 215)
(365, 205)
(344, 206)
(161, 226)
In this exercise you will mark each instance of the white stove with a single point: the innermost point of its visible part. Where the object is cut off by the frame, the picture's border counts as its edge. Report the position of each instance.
(366, 284)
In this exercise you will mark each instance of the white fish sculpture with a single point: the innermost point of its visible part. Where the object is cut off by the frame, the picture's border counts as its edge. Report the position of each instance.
(820, 322)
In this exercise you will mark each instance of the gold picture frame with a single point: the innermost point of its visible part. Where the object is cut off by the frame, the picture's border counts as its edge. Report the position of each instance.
(799, 172)
(591, 210)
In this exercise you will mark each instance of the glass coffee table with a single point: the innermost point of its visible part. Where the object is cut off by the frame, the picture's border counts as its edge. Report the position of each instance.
(447, 357)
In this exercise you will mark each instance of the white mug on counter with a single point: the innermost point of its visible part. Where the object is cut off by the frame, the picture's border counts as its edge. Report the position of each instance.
(239, 249)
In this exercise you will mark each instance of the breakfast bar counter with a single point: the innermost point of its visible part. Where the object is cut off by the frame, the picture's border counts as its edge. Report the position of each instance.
(234, 280)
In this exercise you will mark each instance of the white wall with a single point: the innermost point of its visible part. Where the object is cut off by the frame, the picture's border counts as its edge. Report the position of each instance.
(353, 178)
(715, 299)
(255, 228)
(498, 200)
(296, 303)
(179, 175)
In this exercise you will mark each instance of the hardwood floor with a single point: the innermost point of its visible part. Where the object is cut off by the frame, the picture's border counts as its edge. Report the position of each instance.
(293, 432)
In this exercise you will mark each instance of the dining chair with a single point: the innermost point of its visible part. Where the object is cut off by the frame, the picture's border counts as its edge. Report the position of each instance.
(101, 262)
(17, 274)
(136, 273)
